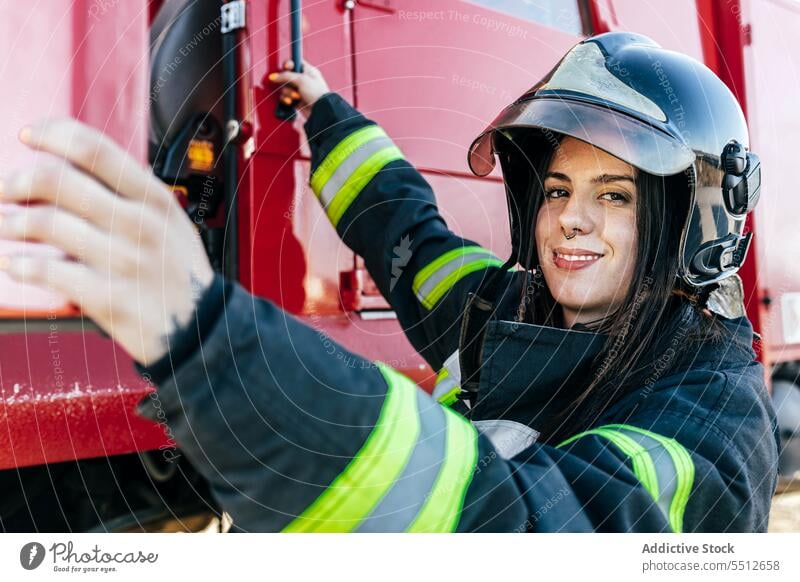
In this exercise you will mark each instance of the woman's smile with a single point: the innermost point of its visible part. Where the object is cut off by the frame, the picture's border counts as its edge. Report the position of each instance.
(574, 259)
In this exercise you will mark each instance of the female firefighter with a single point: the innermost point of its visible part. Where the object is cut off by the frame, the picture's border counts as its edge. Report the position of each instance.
(601, 378)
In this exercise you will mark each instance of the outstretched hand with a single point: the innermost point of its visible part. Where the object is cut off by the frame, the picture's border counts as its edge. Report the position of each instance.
(134, 262)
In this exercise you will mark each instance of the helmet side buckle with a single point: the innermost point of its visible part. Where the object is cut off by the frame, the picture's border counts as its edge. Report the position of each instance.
(713, 259)
(741, 183)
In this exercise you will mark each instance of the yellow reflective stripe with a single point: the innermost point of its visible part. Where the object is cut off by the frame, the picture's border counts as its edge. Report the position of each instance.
(353, 186)
(643, 466)
(343, 150)
(450, 397)
(442, 509)
(434, 280)
(425, 273)
(373, 471)
(454, 277)
(684, 468)
(443, 381)
(685, 465)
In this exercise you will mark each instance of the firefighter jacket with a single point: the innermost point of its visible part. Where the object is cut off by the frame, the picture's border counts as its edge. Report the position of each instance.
(294, 435)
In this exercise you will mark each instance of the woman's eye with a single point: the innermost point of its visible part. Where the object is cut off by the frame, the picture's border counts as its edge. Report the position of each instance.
(554, 193)
(614, 197)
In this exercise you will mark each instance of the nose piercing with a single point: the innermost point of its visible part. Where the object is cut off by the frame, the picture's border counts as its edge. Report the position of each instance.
(571, 236)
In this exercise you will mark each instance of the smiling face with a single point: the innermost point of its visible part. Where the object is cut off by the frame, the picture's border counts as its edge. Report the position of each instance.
(589, 196)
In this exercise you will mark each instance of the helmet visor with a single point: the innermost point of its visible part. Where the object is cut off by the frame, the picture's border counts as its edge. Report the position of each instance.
(641, 145)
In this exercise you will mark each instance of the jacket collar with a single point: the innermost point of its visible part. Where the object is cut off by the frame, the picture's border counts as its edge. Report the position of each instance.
(530, 372)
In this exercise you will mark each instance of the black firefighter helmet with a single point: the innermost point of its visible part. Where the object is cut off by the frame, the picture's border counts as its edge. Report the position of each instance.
(662, 112)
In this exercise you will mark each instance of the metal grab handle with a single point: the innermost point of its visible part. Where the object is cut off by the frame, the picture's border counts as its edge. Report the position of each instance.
(233, 19)
(283, 111)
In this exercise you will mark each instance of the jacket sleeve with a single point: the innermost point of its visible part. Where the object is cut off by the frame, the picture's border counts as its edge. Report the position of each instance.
(385, 211)
(296, 434)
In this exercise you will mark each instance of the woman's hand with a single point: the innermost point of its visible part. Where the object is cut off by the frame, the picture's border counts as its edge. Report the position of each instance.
(302, 89)
(135, 263)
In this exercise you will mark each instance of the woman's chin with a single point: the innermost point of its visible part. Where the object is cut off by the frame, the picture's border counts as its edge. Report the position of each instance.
(576, 291)
(587, 303)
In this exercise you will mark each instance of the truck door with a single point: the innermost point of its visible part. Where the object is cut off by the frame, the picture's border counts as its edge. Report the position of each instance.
(771, 62)
(289, 252)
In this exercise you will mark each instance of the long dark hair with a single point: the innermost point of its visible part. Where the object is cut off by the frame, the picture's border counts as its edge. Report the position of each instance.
(656, 305)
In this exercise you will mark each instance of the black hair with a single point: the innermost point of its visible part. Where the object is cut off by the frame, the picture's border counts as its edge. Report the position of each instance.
(656, 306)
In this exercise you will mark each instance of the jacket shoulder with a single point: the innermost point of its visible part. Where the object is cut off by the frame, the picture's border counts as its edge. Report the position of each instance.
(725, 418)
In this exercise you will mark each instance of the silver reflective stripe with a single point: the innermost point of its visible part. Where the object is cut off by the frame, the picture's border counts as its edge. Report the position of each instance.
(662, 465)
(445, 384)
(348, 167)
(397, 510)
(411, 474)
(434, 280)
(677, 476)
(449, 377)
(440, 275)
(508, 438)
(666, 475)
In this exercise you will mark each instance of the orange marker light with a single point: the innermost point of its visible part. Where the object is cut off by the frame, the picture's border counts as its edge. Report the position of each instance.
(201, 155)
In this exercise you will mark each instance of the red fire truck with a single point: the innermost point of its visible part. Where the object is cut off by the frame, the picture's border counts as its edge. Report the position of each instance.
(182, 84)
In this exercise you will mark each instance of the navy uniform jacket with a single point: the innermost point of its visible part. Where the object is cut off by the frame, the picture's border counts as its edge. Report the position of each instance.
(294, 436)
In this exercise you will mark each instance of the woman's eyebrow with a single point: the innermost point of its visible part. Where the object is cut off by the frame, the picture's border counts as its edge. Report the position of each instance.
(557, 176)
(603, 178)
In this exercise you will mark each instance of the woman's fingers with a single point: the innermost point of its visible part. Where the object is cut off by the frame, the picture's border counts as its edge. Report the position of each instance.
(97, 155)
(286, 77)
(291, 77)
(308, 68)
(291, 81)
(68, 233)
(74, 281)
(61, 184)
